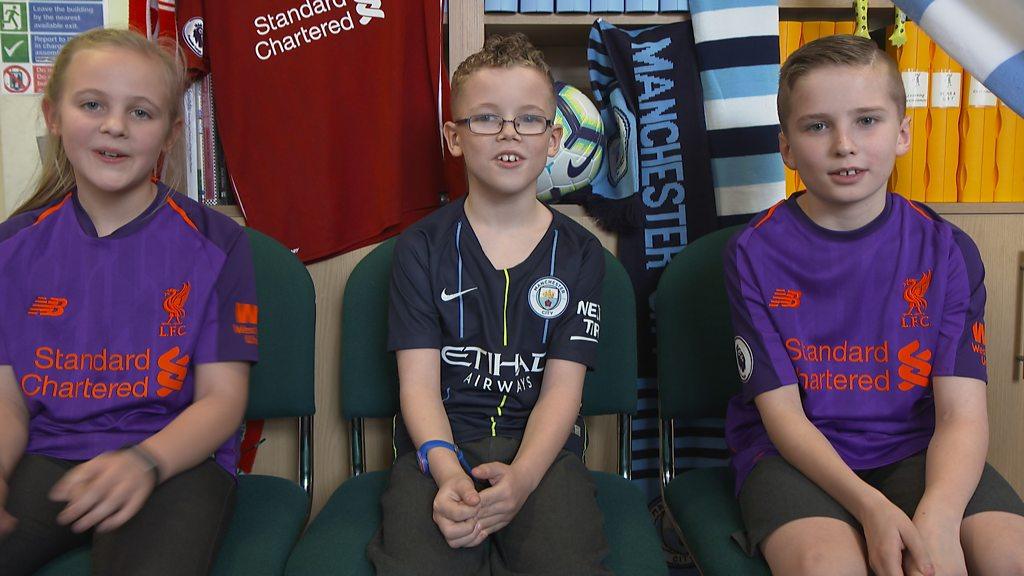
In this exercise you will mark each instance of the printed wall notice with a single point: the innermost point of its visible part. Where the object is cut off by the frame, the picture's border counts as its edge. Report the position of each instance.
(33, 31)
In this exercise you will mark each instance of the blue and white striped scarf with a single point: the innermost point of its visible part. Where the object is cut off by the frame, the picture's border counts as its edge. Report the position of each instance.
(985, 36)
(738, 57)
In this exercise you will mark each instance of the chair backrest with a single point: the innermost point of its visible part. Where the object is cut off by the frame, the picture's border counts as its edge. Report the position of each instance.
(696, 359)
(369, 373)
(611, 387)
(281, 383)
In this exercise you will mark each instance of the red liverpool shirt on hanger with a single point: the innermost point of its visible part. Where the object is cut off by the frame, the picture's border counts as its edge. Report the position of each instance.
(328, 112)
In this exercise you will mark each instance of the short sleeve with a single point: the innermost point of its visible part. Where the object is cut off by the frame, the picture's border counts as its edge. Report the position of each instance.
(761, 358)
(413, 320)
(574, 335)
(8, 228)
(232, 315)
(961, 347)
(5, 358)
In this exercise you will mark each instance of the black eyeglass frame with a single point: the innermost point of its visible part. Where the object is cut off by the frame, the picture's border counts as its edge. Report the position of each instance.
(468, 121)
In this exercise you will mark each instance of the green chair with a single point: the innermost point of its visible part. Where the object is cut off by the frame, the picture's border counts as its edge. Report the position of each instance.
(270, 511)
(696, 378)
(335, 542)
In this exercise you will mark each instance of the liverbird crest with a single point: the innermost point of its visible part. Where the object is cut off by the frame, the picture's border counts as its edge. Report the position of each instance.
(174, 303)
(914, 290)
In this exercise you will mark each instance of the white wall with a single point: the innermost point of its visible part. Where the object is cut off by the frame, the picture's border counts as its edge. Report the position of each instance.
(21, 123)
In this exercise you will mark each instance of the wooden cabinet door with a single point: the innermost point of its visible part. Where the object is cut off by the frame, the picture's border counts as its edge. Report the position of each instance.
(1000, 238)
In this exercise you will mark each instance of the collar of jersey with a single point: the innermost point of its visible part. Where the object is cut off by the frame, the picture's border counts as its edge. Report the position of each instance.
(804, 220)
(537, 251)
(89, 229)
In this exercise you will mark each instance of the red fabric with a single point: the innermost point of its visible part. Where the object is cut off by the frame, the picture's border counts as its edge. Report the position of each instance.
(137, 12)
(251, 440)
(336, 143)
(191, 35)
(152, 17)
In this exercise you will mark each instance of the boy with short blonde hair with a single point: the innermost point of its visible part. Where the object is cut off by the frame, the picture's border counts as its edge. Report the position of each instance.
(861, 430)
(489, 318)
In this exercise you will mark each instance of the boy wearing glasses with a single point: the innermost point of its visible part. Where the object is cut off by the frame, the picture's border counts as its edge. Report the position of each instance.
(494, 315)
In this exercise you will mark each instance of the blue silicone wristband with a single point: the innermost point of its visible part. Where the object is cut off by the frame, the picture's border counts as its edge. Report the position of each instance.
(426, 447)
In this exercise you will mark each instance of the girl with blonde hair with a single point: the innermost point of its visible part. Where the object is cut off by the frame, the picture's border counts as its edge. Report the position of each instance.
(123, 378)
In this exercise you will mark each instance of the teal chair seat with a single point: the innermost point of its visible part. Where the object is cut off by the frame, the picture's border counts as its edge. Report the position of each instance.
(633, 541)
(696, 378)
(270, 511)
(269, 516)
(335, 542)
(702, 500)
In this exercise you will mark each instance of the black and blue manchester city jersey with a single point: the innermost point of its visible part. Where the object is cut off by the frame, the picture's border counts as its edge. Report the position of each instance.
(494, 329)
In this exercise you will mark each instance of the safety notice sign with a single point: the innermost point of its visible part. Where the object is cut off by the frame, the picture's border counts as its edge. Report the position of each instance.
(33, 31)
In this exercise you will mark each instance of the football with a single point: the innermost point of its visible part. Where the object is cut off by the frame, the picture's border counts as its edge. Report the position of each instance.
(582, 147)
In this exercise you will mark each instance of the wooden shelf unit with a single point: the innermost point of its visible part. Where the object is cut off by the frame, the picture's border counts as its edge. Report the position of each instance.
(468, 24)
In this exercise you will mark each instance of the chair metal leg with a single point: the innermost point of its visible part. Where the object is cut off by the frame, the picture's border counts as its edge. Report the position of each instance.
(358, 446)
(625, 446)
(306, 454)
(668, 451)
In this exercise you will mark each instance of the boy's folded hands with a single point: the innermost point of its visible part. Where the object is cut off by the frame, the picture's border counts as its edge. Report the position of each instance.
(467, 517)
(456, 507)
(500, 503)
(941, 535)
(895, 546)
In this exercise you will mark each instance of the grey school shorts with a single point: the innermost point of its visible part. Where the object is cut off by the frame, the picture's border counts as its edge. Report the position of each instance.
(776, 493)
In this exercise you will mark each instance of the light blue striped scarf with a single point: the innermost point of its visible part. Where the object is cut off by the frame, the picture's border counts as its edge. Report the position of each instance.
(737, 44)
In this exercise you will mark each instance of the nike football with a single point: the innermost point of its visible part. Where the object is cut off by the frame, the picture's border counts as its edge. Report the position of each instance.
(579, 158)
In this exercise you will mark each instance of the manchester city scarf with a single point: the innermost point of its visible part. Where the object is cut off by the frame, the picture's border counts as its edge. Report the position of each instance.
(656, 170)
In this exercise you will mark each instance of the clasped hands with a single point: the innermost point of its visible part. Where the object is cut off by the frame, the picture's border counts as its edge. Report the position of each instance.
(467, 517)
(927, 545)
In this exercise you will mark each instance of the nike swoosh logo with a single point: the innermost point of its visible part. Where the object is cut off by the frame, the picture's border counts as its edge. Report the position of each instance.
(446, 297)
(573, 170)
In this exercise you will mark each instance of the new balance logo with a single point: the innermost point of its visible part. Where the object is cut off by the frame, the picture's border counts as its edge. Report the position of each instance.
(915, 367)
(783, 298)
(43, 306)
(172, 371)
(446, 297)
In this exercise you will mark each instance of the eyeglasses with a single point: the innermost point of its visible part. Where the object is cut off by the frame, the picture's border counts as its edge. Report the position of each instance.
(491, 124)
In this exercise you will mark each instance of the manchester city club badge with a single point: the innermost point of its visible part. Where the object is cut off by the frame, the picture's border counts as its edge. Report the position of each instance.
(549, 297)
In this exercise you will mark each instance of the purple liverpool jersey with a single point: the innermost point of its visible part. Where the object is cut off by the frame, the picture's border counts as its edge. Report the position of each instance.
(861, 321)
(104, 334)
